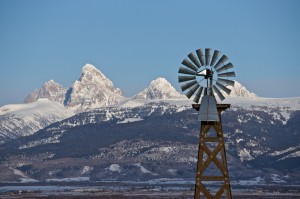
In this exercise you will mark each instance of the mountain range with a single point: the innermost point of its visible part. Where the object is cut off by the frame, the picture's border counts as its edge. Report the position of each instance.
(94, 90)
(92, 131)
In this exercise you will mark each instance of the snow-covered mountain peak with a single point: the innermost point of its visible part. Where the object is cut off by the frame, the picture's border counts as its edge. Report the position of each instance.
(91, 73)
(240, 91)
(159, 88)
(52, 85)
(161, 83)
(51, 81)
(92, 90)
(89, 67)
(50, 90)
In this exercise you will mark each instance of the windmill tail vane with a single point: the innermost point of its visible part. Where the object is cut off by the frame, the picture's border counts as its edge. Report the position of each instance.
(208, 110)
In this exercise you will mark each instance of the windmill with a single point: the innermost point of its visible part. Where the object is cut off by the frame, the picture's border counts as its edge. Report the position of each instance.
(207, 74)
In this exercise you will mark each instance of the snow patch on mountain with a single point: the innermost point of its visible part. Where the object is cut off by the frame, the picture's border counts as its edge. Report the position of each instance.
(54, 139)
(159, 88)
(127, 120)
(292, 155)
(24, 178)
(143, 169)
(275, 153)
(86, 170)
(244, 154)
(92, 90)
(50, 90)
(291, 152)
(115, 168)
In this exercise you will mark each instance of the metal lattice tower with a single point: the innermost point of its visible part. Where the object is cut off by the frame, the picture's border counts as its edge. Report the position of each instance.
(211, 152)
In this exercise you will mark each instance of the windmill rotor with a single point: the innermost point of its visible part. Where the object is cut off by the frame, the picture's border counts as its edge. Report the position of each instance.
(209, 65)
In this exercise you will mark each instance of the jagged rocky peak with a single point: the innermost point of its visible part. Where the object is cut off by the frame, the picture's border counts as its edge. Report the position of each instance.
(92, 90)
(50, 90)
(159, 88)
(240, 91)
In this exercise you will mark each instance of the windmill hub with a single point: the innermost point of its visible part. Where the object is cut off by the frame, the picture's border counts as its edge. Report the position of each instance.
(206, 73)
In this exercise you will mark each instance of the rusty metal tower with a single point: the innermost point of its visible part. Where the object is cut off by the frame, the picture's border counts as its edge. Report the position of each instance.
(207, 75)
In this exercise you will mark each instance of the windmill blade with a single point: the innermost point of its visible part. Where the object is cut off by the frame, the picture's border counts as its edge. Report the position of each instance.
(188, 85)
(225, 67)
(212, 94)
(224, 88)
(194, 59)
(198, 95)
(205, 91)
(215, 57)
(200, 56)
(192, 91)
(226, 81)
(220, 95)
(185, 78)
(207, 56)
(184, 70)
(189, 65)
(223, 59)
(228, 74)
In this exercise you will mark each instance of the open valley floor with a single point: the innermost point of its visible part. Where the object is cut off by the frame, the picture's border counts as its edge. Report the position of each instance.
(119, 190)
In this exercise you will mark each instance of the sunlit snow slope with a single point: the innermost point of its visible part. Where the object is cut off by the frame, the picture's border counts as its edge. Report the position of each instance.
(24, 119)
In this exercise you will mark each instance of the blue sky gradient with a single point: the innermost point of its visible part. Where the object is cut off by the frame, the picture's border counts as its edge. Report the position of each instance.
(133, 42)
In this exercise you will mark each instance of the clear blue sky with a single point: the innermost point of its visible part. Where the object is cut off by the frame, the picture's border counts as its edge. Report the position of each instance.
(132, 42)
